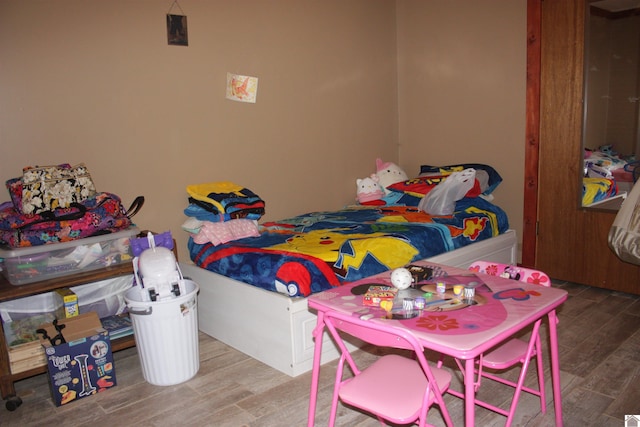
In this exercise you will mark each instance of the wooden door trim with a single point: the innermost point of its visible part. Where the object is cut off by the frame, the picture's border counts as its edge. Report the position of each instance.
(532, 133)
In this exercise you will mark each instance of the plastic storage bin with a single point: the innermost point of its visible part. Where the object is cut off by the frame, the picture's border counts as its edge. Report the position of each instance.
(105, 297)
(32, 264)
(166, 333)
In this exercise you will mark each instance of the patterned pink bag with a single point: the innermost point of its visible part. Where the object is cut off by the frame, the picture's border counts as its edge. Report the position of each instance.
(100, 214)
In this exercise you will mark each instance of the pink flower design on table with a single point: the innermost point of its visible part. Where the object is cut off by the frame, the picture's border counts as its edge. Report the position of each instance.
(537, 278)
(433, 322)
(492, 270)
(517, 294)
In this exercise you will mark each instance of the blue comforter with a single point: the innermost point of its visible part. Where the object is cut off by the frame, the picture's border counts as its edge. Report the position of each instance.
(317, 251)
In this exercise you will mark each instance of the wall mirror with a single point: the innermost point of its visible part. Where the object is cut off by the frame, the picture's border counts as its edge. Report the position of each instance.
(611, 134)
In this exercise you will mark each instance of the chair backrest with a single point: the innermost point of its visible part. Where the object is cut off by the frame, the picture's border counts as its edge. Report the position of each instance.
(527, 275)
(341, 326)
(377, 334)
(371, 332)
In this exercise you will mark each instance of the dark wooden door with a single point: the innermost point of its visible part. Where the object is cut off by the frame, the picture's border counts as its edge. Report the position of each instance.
(570, 242)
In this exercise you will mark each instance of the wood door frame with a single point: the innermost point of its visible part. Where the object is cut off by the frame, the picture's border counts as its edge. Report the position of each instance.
(562, 238)
(532, 133)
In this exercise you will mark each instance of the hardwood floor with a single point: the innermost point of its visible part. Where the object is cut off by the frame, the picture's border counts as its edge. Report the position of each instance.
(599, 335)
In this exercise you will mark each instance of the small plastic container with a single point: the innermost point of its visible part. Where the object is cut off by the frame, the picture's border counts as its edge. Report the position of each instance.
(105, 297)
(469, 292)
(22, 266)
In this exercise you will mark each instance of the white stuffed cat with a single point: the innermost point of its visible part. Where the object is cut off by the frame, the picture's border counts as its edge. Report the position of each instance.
(389, 173)
(368, 190)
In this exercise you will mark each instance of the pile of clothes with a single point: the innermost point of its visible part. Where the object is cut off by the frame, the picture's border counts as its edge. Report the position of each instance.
(220, 212)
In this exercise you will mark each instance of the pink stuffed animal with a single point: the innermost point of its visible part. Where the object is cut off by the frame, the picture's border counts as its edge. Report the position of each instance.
(389, 173)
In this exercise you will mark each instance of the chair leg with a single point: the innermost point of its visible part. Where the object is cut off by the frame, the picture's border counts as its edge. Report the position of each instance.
(523, 373)
(445, 414)
(478, 372)
(336, 386)
(440, 361)
(543, 397)
(439, 400)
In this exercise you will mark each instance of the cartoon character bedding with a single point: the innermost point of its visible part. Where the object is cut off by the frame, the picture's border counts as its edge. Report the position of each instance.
(316, 251)
(606, 174)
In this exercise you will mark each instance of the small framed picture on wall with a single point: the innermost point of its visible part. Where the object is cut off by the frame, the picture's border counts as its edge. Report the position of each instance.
(177, 30)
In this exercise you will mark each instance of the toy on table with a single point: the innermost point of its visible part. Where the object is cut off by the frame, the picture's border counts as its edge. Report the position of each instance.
(457, 290)
(401, 278)
(376, 295)
(408, 304)
(422, 273)
(386, 305)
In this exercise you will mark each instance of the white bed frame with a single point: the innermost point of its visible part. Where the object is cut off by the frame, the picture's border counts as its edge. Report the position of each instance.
(277, 329)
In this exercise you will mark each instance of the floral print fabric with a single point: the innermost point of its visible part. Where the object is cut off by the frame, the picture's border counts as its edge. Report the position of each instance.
(51, 187)
(102, 213)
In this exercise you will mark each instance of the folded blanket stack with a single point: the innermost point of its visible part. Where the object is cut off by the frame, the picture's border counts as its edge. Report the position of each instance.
(220, 212)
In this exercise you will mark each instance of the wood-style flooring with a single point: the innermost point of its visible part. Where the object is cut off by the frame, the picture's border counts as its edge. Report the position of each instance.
(599, 335)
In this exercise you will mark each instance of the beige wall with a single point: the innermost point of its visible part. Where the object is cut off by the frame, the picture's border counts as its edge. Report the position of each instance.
(462, 88)
(96, 82)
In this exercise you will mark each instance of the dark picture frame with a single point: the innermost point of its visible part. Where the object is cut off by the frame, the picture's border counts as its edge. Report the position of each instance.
(177, 30)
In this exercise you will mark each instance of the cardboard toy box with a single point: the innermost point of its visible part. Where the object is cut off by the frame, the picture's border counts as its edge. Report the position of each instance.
(83, 366)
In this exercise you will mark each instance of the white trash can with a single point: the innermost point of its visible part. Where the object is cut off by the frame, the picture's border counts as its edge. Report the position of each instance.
(166, 333)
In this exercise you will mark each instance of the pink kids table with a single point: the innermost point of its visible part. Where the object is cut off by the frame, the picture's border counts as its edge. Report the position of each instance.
(501, 307)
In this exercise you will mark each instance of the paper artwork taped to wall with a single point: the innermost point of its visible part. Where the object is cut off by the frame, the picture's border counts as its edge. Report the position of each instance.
(242, 88)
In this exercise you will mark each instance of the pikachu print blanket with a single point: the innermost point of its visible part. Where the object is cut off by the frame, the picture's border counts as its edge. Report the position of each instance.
(317, 251)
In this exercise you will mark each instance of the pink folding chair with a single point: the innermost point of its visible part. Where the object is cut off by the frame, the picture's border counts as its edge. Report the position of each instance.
(395, 388)
(515, 350)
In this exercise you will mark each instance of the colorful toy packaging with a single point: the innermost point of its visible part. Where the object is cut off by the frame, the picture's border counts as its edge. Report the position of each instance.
(68, 302)
(377, 294)
(79, 358)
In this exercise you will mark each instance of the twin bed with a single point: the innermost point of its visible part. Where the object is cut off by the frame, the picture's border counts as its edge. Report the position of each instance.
(253, 290)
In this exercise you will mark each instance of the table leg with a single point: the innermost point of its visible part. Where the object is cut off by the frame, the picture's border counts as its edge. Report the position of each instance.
(555, 367)
(7, 388)
(469, 393)
(315, 374)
